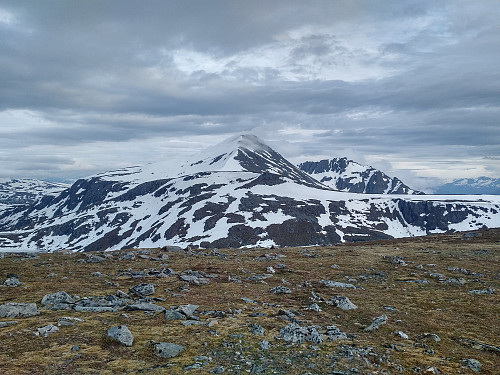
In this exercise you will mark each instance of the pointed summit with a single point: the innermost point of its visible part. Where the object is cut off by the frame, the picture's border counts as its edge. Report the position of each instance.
(246, 153)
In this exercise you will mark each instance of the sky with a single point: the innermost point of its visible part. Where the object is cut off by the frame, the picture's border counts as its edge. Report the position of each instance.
(409, 87)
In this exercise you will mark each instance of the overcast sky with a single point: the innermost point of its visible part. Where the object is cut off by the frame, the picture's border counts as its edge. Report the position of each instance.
(411, 87)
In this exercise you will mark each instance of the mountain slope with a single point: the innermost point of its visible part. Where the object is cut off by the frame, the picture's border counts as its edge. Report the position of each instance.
(239, 193)
(480, 185)
(347, 175)
(26, 191)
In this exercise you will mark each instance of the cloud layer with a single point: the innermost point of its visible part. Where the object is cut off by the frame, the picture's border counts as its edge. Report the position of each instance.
(91, 85)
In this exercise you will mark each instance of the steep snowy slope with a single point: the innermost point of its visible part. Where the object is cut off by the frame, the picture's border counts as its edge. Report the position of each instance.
(239, 193)
(347, 175)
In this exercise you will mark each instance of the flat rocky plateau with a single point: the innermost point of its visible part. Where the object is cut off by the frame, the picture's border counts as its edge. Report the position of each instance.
(426, 305)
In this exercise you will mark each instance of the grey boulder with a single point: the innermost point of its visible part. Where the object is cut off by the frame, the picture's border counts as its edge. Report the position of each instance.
(18, 310)
(167, 349)
(121, 334)
(142, 290)
(376, 322)
(58, 301)
(342, 302)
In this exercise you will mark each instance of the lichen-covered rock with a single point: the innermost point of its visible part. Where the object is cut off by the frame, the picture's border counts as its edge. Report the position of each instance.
(144, 306)
(12, 282)
(121, 334)
(18, 310)
(167, 349)
(337, 284)
(256, 329)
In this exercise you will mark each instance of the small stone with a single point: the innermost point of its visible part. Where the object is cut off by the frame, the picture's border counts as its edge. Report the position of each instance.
(402, 335)
(167, 349)
(256, 329)
(47, 330)
(121, 334)
(473, 364)
(376, 323)
(75, 348)
(18, 310)
(264, 345)
(314, 307)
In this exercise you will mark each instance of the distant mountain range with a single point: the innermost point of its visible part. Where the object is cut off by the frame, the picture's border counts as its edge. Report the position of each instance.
(480, 185)
(26, 191)
(237, 193)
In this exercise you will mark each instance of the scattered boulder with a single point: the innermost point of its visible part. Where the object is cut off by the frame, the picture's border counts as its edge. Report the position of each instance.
(341, 302)
(6, 324)
(58, 301)
(472, 364)
(18, 310)
(402, 335)
(174, 315)
(482, 291)
(187, 310)
(333, 333)
(376, 323)
(167, 349)
(256, 329)
(12, 282)
(429, 336)
(280, 289)
(121, 334)
(143, 290)
(47, 330)
(296, 334)
(336, 284)
(68, 321)
(95, 259)
(144, 306)
(314, 307)
(195, 279)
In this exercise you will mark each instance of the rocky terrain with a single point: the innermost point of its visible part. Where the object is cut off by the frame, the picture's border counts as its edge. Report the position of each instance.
(236, 194)
(426, 305)
(346, 175)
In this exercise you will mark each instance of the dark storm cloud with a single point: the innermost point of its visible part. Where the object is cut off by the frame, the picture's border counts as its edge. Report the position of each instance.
(381, 77)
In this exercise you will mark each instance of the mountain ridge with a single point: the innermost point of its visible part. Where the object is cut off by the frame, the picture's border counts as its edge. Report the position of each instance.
(242, 194)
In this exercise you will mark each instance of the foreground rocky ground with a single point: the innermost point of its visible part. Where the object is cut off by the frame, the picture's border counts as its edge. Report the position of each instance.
(426, 305)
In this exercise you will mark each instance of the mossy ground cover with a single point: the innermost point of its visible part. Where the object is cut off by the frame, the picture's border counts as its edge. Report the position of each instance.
(414, 301)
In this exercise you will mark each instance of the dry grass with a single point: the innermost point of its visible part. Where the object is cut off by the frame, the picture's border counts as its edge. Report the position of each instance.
(444, 309)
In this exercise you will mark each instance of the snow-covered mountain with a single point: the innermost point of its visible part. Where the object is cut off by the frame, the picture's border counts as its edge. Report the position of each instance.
(238, 193)
(347, 175)
(26, 191)
(480, 185)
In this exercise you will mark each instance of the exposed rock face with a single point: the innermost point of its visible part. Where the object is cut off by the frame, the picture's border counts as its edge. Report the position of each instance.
(241, 193)
(18, 310)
